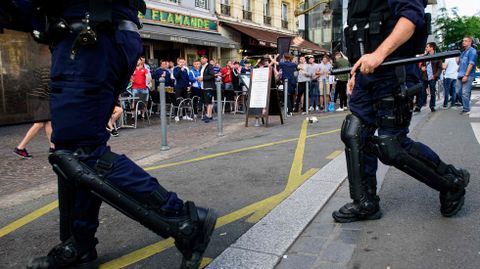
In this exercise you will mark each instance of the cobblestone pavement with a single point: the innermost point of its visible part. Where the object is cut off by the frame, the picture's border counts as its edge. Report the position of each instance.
(141, 144)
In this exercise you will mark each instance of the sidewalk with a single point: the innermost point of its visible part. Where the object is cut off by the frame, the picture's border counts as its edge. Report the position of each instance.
(300, 232)
(412, 233)
(23, 180)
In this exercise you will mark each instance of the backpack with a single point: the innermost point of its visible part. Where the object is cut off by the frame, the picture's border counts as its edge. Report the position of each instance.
(331, 107)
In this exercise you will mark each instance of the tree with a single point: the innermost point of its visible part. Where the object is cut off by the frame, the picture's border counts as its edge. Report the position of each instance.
(452, 29)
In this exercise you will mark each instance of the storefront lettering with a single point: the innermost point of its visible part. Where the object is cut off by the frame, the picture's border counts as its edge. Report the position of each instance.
(176, 19)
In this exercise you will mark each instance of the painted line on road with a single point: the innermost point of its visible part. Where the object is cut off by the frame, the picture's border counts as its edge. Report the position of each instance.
(262, 207)
(258, 209)
(220, 154)
(28, 218)
(334, 154)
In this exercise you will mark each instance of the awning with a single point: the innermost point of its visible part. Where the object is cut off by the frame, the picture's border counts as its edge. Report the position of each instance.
(306, 46)
(269, 39)
(159, 32)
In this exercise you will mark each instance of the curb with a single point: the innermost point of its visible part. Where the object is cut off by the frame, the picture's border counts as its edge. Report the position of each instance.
(263, 245)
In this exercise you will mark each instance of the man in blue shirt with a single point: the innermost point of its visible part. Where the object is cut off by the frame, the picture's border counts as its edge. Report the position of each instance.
(466, 73)
(381, 98)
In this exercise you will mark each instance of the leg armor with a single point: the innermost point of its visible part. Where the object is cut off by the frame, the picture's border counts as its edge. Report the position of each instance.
(365, 204)
(191, 227)
(394, 148)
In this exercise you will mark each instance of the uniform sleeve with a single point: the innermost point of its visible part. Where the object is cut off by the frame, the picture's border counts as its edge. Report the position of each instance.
(413, 10)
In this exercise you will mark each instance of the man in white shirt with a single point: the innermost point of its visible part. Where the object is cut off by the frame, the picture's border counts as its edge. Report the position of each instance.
(449, 82)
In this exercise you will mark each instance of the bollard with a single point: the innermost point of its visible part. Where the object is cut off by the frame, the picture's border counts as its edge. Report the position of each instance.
(325, 95)
(219, 107)
(306, 97)
(285, 100)
(163, 115)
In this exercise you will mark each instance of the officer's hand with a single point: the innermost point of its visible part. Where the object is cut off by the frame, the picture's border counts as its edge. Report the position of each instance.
(367, 63)
(351, 84)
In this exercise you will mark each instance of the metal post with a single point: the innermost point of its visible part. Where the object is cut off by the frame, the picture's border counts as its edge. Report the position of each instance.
(285, 100)
(325, 95)
(219, 107)
(306, 98)
(163, 115)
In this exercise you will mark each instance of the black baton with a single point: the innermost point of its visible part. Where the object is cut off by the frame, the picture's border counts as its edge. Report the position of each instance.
(423, 58)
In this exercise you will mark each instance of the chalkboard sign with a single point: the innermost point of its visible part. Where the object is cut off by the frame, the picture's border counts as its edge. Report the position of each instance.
(259, 98)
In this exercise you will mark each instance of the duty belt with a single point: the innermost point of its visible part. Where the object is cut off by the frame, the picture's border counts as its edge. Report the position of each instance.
(122, 25)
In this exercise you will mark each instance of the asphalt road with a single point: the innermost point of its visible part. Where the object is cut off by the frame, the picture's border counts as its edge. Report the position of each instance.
(235, 178)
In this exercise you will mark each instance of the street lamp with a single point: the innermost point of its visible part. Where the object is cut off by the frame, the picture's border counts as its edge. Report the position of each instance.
(302, 10)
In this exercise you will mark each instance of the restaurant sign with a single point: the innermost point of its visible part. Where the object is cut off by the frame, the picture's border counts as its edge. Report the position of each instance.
(180, 20)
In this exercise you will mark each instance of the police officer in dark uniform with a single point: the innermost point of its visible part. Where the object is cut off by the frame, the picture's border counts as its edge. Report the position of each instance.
(95, 46)
(380, 30)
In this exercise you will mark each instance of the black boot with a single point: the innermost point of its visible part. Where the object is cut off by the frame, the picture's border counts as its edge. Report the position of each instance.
(367, 208)
(66, 255)
(452, 201)
(193, 248)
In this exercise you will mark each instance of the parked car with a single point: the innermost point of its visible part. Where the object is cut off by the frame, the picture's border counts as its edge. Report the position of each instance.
(476, 80)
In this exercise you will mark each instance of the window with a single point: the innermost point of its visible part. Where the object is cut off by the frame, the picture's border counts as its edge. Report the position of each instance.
(284, 12)
(225, 7)
(171, 1)
(247, 13)
(201, 4)
(266, 7)
(246, 5)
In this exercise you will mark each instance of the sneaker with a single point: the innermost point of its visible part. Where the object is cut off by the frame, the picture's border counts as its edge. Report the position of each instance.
(318, 108)
(340, 109)
(310, 108)
(465, 113)
(177, 119)
(22, 153)
(433, 109)
(417, 109)
(454, 107)
(114, 132)
(187, 118)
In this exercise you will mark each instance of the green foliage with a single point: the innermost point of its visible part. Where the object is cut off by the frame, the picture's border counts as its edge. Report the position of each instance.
(452, 29)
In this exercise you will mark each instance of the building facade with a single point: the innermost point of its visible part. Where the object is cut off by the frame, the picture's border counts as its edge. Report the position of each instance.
(256, 25)
(187, 29)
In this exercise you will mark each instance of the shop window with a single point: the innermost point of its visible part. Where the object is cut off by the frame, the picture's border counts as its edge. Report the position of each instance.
(201, 4)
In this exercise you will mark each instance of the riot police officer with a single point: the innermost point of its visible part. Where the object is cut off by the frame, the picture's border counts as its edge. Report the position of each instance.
(95, 46)
(380, 30)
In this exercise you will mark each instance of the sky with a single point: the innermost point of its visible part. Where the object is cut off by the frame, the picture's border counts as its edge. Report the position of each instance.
(465, 7)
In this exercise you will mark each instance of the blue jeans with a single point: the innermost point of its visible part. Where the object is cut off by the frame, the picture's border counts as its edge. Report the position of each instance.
(465, 90)
(433, 92)
(449, 90)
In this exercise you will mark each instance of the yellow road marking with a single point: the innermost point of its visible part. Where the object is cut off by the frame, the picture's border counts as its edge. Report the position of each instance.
(262, 207)
(334, 154)
(206, 261)
(28, 218)
(259, 209)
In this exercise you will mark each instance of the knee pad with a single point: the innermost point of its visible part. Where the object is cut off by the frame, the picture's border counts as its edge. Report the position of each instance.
(390, 151)
(351, 134)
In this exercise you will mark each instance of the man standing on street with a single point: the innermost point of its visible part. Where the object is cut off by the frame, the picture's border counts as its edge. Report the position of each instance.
(431, 72)
(466, 73)
(450, 82)
(377, 103)
(207, 83)
(341, 88)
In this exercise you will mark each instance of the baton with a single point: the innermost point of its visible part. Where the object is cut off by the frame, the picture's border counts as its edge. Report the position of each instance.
(412, 60)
